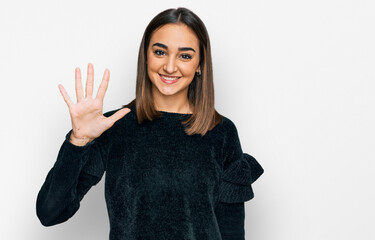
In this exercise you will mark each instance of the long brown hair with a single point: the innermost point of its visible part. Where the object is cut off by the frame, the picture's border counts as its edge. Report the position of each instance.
(201, 89)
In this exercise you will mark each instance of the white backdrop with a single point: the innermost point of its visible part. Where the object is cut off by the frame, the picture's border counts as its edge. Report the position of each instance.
(296, 77)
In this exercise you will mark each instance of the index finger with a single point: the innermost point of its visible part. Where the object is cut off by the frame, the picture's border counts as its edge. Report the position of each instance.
(103, 85)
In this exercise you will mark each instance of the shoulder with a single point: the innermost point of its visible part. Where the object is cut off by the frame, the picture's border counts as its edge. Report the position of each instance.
(227, 126)
(227, 122)
(224, 133)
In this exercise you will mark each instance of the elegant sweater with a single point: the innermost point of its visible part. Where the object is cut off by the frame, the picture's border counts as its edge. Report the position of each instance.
(160, 183)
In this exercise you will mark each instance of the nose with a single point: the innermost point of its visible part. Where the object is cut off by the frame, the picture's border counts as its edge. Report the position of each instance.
(170, 65)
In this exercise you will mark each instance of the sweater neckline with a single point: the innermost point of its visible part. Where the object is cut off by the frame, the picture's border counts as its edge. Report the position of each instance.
(174, 114)
(169, 114)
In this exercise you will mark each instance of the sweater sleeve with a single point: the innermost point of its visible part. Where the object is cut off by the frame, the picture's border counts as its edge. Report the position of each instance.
(240, 170)
(231, 220)
(75, 171)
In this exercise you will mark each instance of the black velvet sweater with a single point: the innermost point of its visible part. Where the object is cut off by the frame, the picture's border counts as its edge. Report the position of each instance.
(160, 183)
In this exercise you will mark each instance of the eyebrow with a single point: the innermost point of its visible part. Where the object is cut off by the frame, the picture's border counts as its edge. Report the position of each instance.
(180, 49)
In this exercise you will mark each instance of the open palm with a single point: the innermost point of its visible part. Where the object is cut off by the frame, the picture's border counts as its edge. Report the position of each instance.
(88, 121)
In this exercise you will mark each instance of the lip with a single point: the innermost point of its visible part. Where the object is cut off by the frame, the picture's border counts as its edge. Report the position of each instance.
(168, 81)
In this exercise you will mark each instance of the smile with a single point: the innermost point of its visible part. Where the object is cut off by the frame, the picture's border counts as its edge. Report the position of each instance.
(169, 79)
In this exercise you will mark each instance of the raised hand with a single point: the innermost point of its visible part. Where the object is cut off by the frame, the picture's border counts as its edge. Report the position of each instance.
(88, 121)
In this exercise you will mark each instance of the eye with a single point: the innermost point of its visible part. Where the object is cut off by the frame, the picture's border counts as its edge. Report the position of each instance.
(159, 52)
(186, 56)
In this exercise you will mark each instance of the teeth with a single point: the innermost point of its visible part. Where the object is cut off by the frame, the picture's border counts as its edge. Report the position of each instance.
(169, 78)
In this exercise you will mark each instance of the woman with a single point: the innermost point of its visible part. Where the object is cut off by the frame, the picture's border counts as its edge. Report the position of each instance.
(174, 166)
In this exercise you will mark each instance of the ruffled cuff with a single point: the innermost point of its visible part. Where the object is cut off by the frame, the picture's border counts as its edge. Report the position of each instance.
(237, 179)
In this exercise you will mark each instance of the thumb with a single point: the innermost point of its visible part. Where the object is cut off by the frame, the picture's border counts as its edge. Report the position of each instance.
(117, 116)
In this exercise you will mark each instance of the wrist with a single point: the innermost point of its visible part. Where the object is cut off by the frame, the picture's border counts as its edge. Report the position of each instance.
(79, 141)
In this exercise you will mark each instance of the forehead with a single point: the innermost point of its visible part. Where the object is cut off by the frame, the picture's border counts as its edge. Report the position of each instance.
(175, 36)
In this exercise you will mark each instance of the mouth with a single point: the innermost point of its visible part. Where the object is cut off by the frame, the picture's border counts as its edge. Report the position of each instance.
(169, 79)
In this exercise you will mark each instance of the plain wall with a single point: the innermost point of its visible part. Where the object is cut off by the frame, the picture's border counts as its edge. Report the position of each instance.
(296, 78)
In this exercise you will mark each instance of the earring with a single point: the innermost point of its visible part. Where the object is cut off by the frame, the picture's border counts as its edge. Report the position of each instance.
(199, 72)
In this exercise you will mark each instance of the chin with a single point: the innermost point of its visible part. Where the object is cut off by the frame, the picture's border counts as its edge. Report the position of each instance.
(168, 92)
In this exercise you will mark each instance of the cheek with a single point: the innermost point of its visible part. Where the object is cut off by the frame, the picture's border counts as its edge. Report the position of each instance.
(152, 64)
(152, 61)
(189, 69)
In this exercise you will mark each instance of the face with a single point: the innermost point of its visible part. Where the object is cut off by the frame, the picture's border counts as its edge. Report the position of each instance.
(172, 60)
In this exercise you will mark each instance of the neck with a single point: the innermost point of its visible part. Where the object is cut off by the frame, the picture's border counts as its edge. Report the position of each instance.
(177, 103)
